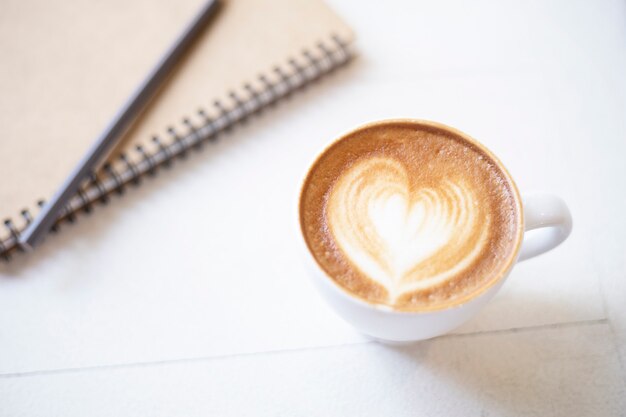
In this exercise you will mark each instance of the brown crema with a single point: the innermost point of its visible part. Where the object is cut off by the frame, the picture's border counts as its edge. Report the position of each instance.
(410, 214)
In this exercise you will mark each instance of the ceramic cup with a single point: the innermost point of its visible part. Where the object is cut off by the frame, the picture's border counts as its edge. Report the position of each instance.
(542, 211)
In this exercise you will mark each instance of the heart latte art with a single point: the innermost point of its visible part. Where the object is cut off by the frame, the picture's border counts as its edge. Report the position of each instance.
(410, 215)
(405, 237)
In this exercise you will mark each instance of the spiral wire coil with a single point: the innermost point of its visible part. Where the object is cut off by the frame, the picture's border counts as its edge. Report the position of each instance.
(312, 65)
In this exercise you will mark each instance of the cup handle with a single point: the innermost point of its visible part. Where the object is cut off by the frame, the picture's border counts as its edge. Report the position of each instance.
(549, 213)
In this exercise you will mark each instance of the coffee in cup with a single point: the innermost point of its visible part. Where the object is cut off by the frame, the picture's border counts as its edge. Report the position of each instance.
(411, 215)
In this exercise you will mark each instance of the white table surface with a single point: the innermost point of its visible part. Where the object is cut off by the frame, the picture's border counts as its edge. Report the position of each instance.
(541, 83)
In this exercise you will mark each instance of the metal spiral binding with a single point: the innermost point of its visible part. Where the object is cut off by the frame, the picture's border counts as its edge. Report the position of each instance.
(224, 115)
(164, 149)
(254, 96)
(131, 168)
(178, 140)
(313, 62)
(15, 234)
(26, 215)
(209, 125)
(269, 89)
(103, 195)
(86, 205)
(148, 160)
(248, 101)
(69, 213)
(196, 139)
(118, 185)
(284, 81)
(239, 107)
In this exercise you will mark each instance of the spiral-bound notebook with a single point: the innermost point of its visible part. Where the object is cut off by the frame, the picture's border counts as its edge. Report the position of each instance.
(66, 67)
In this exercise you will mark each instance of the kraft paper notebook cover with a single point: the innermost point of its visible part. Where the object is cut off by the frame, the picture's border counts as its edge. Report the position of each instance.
(67, 67)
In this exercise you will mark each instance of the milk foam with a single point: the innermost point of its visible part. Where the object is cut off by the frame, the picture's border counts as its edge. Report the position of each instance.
(411, 215)
(405, 236)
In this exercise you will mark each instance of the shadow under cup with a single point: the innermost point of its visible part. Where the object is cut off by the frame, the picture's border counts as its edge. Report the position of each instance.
(347, 294)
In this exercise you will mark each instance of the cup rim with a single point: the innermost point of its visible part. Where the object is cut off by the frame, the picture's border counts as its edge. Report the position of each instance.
(459, 302)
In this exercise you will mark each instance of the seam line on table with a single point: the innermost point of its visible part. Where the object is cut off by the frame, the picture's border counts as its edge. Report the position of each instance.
(131, 365)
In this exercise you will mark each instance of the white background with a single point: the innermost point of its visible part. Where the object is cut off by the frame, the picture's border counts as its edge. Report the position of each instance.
(210, 313)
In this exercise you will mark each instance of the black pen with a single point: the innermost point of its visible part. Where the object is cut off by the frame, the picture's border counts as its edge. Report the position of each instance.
(116, 129)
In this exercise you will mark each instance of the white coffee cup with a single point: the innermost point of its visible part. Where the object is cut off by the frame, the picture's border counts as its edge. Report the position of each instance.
(540, 211)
